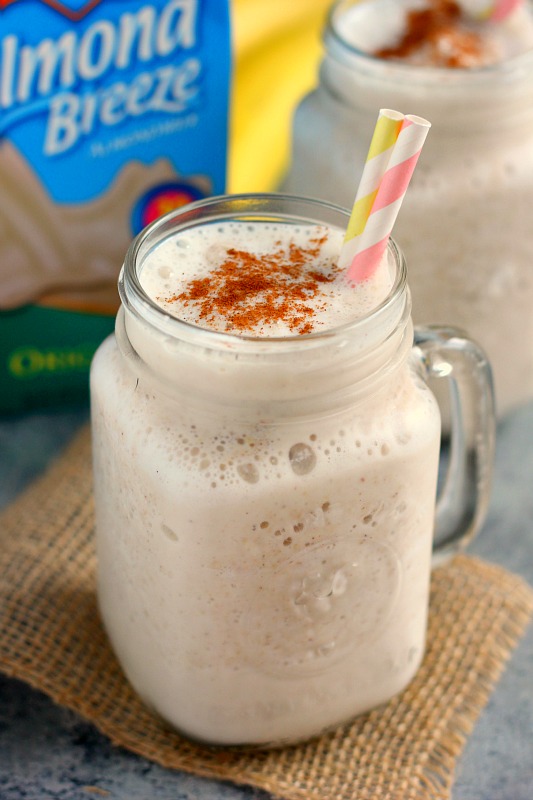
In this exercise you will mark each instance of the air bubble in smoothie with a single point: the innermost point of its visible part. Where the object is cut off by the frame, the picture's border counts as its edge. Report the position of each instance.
(302, 458)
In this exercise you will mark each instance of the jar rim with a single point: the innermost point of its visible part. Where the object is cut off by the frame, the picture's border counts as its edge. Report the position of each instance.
(264, 206)
(458, 78)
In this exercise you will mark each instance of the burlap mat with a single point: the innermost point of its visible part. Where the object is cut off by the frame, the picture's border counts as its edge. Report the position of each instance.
(51, 637)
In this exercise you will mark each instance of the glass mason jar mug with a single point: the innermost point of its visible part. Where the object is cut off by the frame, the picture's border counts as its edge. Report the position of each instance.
(265, 506)
(465, 225)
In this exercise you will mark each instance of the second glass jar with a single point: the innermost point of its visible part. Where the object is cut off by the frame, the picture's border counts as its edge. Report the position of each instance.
(465, 224)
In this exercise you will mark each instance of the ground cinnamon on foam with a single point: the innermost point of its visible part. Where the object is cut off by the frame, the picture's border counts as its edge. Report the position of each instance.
(252, 291)
(437, 30)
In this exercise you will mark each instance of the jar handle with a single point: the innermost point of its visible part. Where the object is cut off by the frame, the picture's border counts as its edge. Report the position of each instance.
(445, 353)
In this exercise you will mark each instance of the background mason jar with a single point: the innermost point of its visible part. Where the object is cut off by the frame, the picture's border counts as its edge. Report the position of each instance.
(465, 223)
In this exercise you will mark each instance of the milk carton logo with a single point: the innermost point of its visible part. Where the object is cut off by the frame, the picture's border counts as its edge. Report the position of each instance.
(105, 79)
(69, 8)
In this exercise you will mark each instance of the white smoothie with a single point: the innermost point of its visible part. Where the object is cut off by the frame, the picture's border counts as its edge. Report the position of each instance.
(264, 506)
(465, 223)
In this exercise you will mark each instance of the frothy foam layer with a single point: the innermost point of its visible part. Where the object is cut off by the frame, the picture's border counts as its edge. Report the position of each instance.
(261, 279)
(439, 33)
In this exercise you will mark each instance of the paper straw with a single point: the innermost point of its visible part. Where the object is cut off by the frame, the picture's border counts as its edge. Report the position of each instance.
(384, 138)
(493, 10)
(364, 251)
(502, 8)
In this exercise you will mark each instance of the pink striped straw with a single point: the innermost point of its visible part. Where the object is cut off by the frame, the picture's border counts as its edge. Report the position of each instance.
(368, 248)
(493, 10)
(386, 132)
(502, 8)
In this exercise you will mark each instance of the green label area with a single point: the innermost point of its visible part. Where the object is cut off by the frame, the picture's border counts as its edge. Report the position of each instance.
(45, 356)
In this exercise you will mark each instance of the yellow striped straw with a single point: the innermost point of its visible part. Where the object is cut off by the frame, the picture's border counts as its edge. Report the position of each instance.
(384, 138)
(365, 251)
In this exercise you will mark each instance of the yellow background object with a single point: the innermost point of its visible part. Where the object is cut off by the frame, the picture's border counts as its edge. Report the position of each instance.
(277, 48)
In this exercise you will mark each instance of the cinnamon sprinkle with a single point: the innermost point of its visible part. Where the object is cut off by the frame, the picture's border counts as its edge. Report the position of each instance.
(438, 32)
(251, 291)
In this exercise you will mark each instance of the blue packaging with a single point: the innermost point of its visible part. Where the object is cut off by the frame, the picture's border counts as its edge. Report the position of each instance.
(112, 112)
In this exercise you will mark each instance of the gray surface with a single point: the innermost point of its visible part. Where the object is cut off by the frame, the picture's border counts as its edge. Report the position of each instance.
(49, 752)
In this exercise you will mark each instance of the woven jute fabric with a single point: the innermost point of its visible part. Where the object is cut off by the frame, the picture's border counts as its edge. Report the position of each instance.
(51, 637)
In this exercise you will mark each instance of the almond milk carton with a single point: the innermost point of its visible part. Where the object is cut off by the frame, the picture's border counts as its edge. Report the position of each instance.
(111, 114)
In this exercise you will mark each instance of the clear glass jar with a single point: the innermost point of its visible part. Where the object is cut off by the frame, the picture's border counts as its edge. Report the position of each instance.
(265, 507)
(465, 224)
